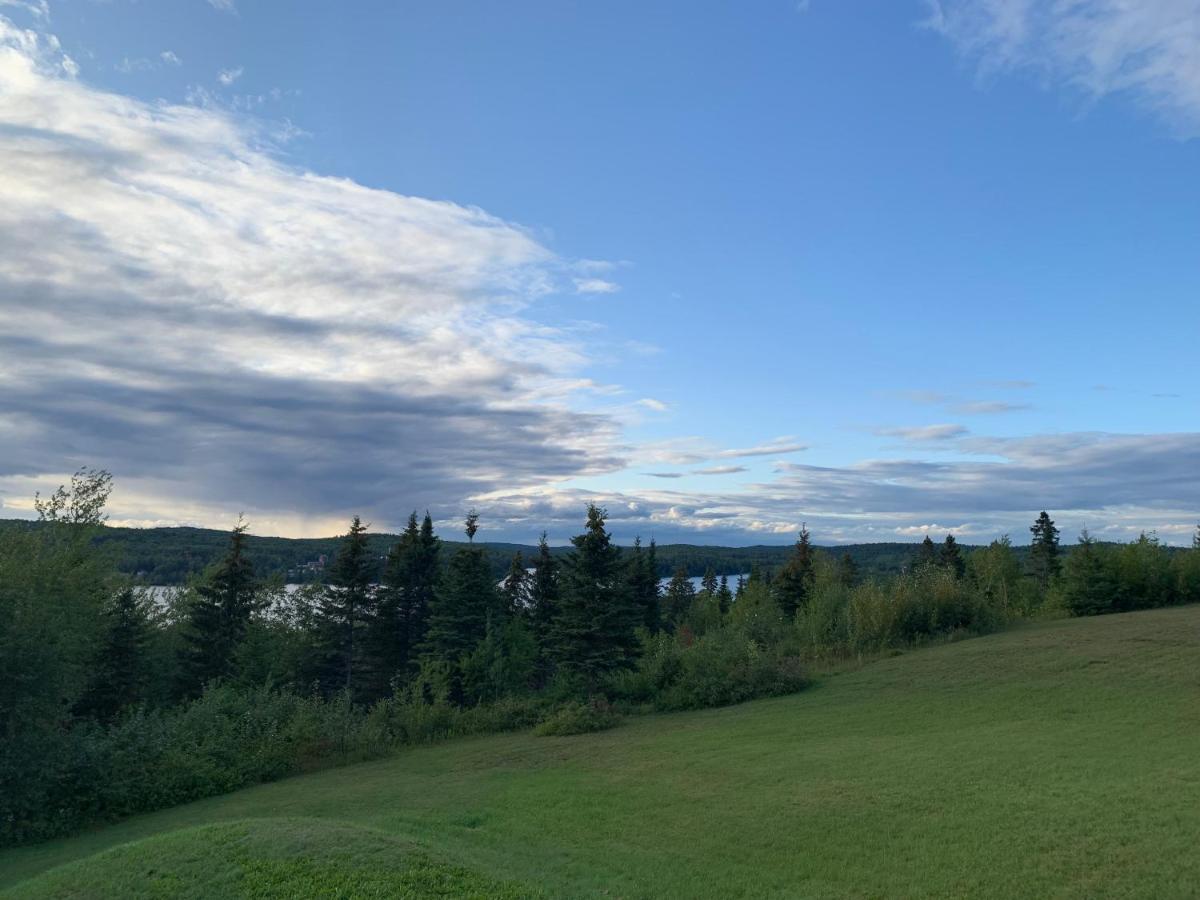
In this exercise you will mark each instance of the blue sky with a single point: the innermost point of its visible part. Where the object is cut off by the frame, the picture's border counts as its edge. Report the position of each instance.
(886, 268)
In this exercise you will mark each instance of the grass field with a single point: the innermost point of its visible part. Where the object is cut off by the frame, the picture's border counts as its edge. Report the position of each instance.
(1060, 759)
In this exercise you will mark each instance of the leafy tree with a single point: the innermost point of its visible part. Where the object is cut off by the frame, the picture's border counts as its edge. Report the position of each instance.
(1044, 563)
(345, 606)
(119, 671)
(847, 571)
(225, 601)
(1187, 566)
(951, 557)
(794, 584)
(996, 571)
(679, 597)
(594, 629)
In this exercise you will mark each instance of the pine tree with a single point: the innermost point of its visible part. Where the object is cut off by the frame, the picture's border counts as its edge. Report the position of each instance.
(1089, 585)
(678, 599)
(543, 602)
(847, 571)
(402, 604)
(1044, 563)
(120, 670)
(794, 584)
(708, 583)
(514, 590)
(724, 596)
(643, 584)
(345, 606)
(740, 589)
(218, 619)
(594, 630)
(927, 555)
(465, 600)
(951, 557)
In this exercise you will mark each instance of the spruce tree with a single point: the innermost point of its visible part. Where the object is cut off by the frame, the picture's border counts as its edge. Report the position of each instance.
(951, 557)
(724, 596)
(1089, 584)
(514, 590)
(643, 584)
(678, 599)
(594, 629)
(345, 606)
(217, 621)
(847, 571)
(543, 602)
(794, 584)
(708, 583)
(465, 600)
(397, 628)
(927, 555)
(119, 671)
(1044, 563)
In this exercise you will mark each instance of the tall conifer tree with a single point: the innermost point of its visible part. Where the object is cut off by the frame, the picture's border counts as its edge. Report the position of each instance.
(119, 671)
(1044, 563)
(346, 605)
(794, 583)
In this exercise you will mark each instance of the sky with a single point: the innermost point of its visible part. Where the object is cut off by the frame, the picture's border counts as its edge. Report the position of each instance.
(885, 268)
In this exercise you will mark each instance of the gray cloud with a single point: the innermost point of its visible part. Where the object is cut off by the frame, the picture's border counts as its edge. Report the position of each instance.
(720, 470)
(924, 433)
(224, 332)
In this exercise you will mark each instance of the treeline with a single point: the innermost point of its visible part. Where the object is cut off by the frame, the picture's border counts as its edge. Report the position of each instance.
(112, 702)
(174, 555)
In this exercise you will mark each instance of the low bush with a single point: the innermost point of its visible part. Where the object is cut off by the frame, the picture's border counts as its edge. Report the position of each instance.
(579, 718)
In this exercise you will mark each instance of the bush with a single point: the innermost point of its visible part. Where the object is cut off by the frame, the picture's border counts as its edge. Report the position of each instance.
(579, 718)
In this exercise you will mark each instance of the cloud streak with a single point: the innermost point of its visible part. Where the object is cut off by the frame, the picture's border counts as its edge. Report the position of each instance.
(1148, 50)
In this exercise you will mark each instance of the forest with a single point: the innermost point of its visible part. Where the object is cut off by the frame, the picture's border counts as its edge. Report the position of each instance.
(112, 702)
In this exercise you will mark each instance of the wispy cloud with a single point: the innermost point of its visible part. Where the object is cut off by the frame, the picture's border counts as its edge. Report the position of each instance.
(1146, 49)
(228, 76)
(228, 6)
(720, 470)
(664, 474)
(652, 404)
(170, 57)
(595, 286)
(987, 407)
(923, 433)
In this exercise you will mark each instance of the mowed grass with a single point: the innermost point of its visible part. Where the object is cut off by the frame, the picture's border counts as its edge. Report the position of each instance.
(1060, 759)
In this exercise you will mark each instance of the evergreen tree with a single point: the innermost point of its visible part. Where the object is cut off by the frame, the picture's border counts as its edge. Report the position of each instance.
(927, 555)
(847, 571)
(643, 584)
(794, 584)
(740, 589)
(1089, 584)
(219, 617)
(345, 606)
(708, 583)
(1044, 563)
(951, 557)
(543, 589)
(465, 600)
(724, 596)
(397, 629)
(594, 630)
(514, 589)
(679, 597)
(120, 669)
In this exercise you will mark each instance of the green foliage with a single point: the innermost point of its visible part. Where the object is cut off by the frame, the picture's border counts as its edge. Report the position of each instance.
(643, 584)
(594, 629)
(794, 582)
(575, 717)
(120, 670)
(344, 608)
(678, 599)
(398, 628)
(1044, 563)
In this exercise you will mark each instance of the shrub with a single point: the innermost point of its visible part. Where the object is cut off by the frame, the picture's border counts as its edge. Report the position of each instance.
(579, 718)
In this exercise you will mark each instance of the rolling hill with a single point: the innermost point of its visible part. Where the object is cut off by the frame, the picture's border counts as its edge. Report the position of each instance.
(1056, 759)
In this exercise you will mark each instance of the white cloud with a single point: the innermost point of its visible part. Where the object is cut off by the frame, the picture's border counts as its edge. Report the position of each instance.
(651, 403)
(595, 286)
(39, 9)
(720, 470)
(1146, 49)
(229, 76)
(223, 330)
(170, 57)
(223, 5)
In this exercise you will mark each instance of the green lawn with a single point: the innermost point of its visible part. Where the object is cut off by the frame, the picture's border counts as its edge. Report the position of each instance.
(1061, 759)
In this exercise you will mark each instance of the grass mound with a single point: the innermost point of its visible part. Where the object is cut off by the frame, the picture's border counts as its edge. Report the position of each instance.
(265, 858)
(1054, 760)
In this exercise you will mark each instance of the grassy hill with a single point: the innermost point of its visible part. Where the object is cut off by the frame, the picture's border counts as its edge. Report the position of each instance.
(1058, 759)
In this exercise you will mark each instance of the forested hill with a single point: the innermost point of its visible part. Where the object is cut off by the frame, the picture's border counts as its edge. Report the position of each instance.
(171, 555)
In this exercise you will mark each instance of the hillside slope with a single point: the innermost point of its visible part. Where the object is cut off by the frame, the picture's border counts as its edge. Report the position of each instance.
(1058, 759)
